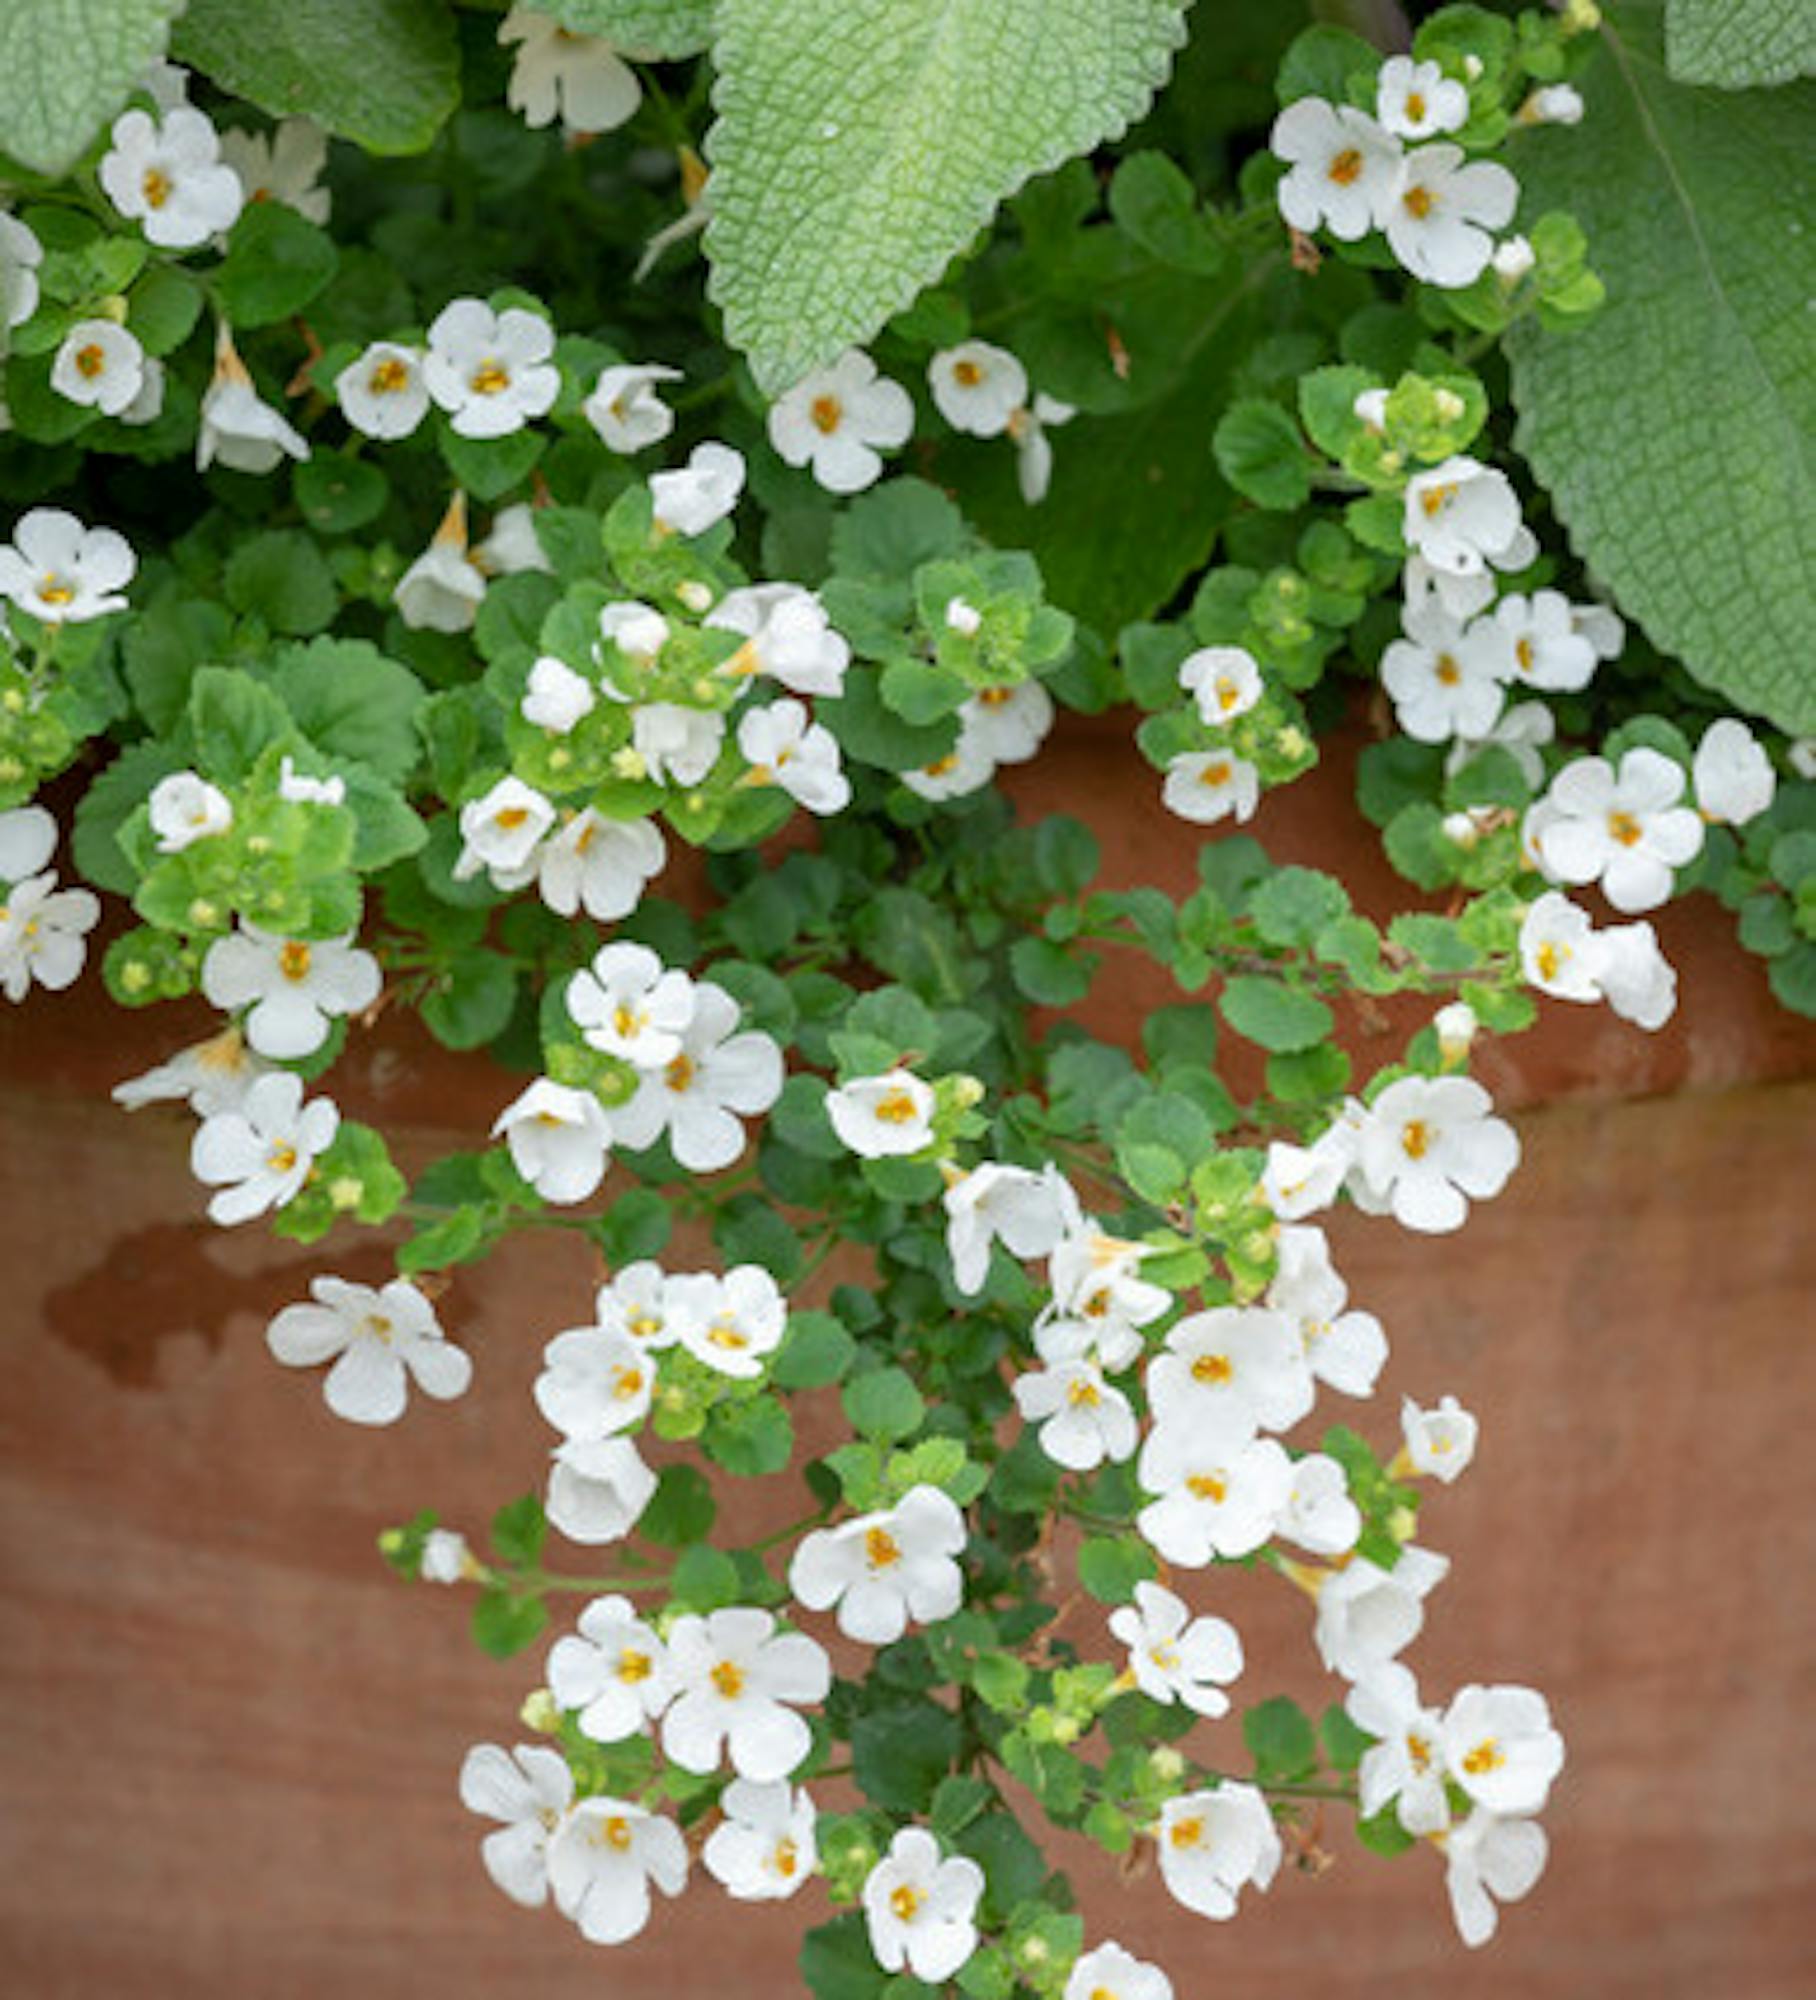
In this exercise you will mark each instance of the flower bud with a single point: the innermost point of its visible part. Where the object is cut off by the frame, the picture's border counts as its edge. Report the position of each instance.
(541, 1712)
(1166, 1764)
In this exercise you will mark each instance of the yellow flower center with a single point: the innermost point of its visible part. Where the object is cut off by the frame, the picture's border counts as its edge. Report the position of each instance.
(1418, 202)
(1228, 693)
(1448, 671)
(967, 374)
(680, 1073)
(511, 818)
(1625, 828)
(881, 1549)
(727, 1333)
(1186, 1832)
(1415, 1138)
(1415, 105)
(1083, 1394)
(388, 377)
(1522, 651)
(626, 1383)
(489, 378)
(91, 360)
(728, 1678)
(906, 1902)
(281, 1159)
(644, 1325)
(826, 413)
(1212, 1368)
(940, 766)
(995, 697)
(1550, 958)
(1346, 168)
(55, 589)
(1214, 775)
(293, 960)
(1485, 1757)
(615, 1833)
(627, 1020)
(1207, 1486)
(898, 1108)
(1435, 499)
(1418, 1753)
(786, 1859)
(634, 1666)
(156, 187)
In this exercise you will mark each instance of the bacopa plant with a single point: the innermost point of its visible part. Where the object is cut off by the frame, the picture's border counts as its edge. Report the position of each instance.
(459, 460)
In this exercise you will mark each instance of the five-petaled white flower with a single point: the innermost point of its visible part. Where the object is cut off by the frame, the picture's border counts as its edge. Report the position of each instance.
(1440, 216)
(596, 1381)
(1462, 517)
(1318, 1513)
(1367, 1614)
(1223, 680)
(881, 1570)
(382, 394)
(1416, 99)
(625, 409)
(529, 1790)
(636, 1302)
(1110, 1973)
(1733, 775)
(500, 832)
(790, 637)
(728, 1323)
(167, 175)
(689, 499)
(293, 986)
(62, 572)
(1345, 1349)
(1560, 950)
(1344, 168)
(785, 747)
(285, 167)
(764, 1849)
(185, 808)
(1405, 1767)
(560, 1139)
(883, 1117)
(1440, 1442)
(1544, 646)
(380, 1341)
(1430, 1146)
(21, 254)
(1008, 724)
(921, 1909)
(99, 366)
(1205, 786)
(599, 865)
(212, 1076)
(628, 1004)
(1213, 1844)
(580, 79)
(260, 1155)
(1626, 829)
(1244, 1366)
(1099, 1300)
(1027, 1213)
(1500, 1747)
(491, 372)
(597, 1488)
(965, 768)
(239, 429)
(838, 420)
(738, 1685)
(1441, 685)
(698, 1096)
(614, 1673)
(602, 1859)
(1220, 1492)
(1083, 1419)
(977, 388)
(1174, 1656)
(1488, 1859)
(43, 935)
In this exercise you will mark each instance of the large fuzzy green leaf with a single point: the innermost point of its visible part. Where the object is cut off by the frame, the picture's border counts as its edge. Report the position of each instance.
(665, 28)
(1674, 429)
(383, 72)
(1739, 43)
(861, 143)
(66, 66)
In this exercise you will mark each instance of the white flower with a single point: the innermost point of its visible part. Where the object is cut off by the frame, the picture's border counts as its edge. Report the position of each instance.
(1370, 410)
(835, 420)
(285, 167)
(1319, 1514)
(599, 865)
(1487, 1859)
(1028, 1213)
(764, 1849)
(211, 1077)
(1637, 981)
(1300, 1180)
(579, 78)
(443, 588)
(446, 1557)
(1344, 168)
(167, 176)
(1499, 1745)
(1440, 217)
(738, 1683)
(100, 366)
(784, 747)
(965, 768)
(881, 1570)
(301, 790)
(625, 409)
(883, 1117)
(1462, 517)
(260, 1155)
(1345, 1349)
(1083, 1420)
(1110, 1973)
(1174, 1656)
(513, 547)
(42, 935)
(1522, 732)
(294, 988)
(1405, 1768)
(491, 372)
(597, 1488)
(717, 1073)
(238, 428)
(1033, 454)
(1214, 1843)
(380, 1341)
(977, 388)
(1241, 1367)
(922, 1910)
(1733, 775)
(1802, 754)
(791, 638)
(628, 1004)
(1626, 830)
(596, 1381)
(1008, 724)
(636, 631)
(1513, 258)
(1461, 595)
(1456, 1027)
(382, 394)
(1429, 1143)
(1205, 786)
(963, 618)
(530, 1790)
(500, 832)
(1553, 104)
(556, 697)
(1545, 647)
(1367, 1614)
(184, 807)
(690, 500)
(677, 745)
(728, 1323)
(1220, 1492)
(62, 572)
(20, 255)
(1223, 680)
(1416, 99)
(636, 1302)
(1441, 686)
(1560, 952)
(1099, 1300)
(603, 1858)
(614, 1673)
(28, 839)
(559, 1138)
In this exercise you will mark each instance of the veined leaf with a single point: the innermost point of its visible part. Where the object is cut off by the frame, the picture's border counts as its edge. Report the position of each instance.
(648, 28)
(66, 66)
(1739, 43)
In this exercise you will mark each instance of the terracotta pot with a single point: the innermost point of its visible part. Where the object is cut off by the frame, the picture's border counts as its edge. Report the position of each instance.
(232, 1737)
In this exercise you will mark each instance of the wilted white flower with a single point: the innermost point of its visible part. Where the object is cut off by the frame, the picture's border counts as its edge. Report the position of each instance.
(213, 1076)
(1028, 1213)
(1733, 775)
(1033, 454)
(625, 409)
(20, 256)
(597, 1489)
(581, 79)
(1367, 1614)
(239, 429)
(302, 790)
(1489, 1859)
